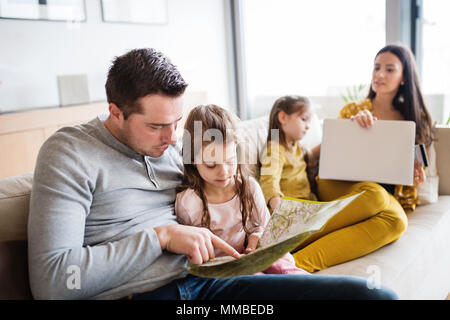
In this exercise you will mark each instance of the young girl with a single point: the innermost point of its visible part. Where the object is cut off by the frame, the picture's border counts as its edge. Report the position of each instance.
(284, 162)
(217, 192)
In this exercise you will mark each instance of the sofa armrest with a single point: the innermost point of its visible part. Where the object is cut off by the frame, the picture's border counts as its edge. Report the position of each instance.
(14, 282)
(443, 158)
(14, 206)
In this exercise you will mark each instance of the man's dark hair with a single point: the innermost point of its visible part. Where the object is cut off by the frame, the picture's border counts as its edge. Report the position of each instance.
(138, 73)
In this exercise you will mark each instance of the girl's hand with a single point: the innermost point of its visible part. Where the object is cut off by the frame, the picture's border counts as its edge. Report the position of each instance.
(273, 202)
(364, 118)
(196, 243)
(419, 174)
(252, 242)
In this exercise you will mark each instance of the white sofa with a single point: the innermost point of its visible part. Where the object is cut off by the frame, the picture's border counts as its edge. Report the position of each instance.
(417, 266)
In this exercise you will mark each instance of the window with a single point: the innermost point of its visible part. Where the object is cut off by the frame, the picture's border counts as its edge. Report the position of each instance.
(314, 48)
(436, 57)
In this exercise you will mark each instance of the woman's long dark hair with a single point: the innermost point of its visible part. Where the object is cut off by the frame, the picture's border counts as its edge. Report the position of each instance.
(409, 100)
(214, 117)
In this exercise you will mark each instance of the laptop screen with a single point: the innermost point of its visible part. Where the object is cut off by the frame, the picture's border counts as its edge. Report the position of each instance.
(383, 153)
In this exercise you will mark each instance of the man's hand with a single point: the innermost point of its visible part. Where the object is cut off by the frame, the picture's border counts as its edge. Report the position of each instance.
(196, 243)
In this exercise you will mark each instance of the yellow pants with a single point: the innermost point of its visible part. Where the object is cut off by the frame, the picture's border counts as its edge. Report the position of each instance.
(371, 221)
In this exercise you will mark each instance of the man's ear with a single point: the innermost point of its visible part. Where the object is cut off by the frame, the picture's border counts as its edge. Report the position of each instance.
(282, 117)
(115, 114)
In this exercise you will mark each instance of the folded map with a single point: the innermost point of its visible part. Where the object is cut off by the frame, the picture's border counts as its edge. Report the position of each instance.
(291, 223)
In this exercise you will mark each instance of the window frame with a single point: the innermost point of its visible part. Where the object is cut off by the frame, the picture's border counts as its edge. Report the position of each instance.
(404, 23)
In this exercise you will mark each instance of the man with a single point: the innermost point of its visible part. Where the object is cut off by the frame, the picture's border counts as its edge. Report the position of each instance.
(102, 223)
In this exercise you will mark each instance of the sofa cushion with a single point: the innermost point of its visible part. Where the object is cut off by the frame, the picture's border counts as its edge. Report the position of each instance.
(14, 206)
(253, 136)
(14, 283)
(416, 265)
(443, 156)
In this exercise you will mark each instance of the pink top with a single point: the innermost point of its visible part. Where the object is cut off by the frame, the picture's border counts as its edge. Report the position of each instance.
(226, 218)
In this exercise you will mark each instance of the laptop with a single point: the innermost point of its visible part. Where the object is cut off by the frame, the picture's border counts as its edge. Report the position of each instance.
(383, 153)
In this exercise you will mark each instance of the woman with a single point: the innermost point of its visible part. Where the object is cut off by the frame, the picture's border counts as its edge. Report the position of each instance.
(395, 95)
(378, 216)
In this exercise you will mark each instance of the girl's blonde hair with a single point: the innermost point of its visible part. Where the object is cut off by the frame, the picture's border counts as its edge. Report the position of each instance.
(214, 117)
(288, 104)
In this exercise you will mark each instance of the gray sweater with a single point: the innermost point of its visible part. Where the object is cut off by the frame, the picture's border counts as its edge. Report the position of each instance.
(94, 205)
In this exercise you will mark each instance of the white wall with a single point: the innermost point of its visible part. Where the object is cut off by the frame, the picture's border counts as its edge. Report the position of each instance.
(33, 53)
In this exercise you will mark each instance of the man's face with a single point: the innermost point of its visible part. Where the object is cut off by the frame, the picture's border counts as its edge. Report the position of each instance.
(149, 133)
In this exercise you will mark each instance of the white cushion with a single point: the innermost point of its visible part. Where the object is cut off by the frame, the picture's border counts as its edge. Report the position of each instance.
(443, 158)
(253, 137)
(14, 206)
(417, 265)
